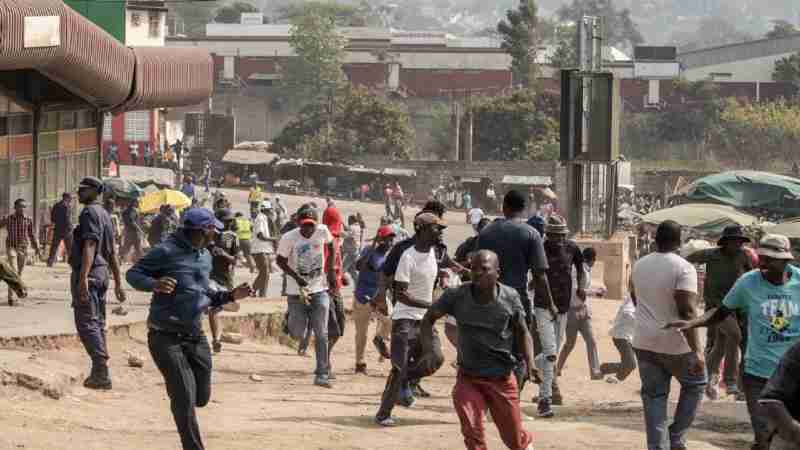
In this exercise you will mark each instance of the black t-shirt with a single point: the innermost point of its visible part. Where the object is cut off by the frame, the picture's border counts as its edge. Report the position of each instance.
(518, 247)
(94, 224)
(485, 332)
(784, 386)
(560, 259)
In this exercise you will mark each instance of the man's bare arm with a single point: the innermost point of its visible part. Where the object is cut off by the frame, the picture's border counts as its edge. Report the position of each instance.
(542, 288)
(426, 329)
(401, 295)
(687, 311)
(524, 340)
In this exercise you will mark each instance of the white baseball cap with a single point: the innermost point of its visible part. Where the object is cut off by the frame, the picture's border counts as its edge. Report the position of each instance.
(775, 246)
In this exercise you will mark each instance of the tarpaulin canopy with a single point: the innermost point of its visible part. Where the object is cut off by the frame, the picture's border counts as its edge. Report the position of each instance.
(705, 217)
(746, 189)
(789, 228)
(122, 188)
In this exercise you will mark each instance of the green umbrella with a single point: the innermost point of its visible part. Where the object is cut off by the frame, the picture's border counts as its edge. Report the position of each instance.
(122, 188)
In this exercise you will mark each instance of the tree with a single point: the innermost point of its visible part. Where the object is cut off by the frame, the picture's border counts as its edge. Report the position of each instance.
(361, 123)
(317, 69)
(620, 29)
(566, 52)
(520, 126)
(757, 134)
(343, 15)
(781, 29)
(194, 15)
(787, 69)
(522, 36)
(233, 13)
(711, 32)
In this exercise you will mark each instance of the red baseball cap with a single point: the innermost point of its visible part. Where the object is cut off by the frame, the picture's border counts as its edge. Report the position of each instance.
(386, 231)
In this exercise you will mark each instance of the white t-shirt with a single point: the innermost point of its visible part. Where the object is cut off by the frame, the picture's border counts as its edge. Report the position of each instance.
(656, 277)
(307, 258)
(475, 215)
(419, 270)
(260, 225)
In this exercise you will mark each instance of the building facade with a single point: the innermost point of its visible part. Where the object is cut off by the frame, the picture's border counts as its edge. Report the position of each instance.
(136, 24)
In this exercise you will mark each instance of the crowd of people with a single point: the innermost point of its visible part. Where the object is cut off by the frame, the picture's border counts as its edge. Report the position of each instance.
(514, 296)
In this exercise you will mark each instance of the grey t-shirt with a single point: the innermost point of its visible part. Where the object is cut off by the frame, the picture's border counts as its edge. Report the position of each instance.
(519, 248)
(485, 332)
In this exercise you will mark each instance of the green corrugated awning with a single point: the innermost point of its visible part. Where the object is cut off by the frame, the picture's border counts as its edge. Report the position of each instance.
(745, 189)
(706, 217)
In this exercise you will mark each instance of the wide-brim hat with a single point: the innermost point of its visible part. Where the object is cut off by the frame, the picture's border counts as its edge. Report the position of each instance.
(775, 246)
(733, 233)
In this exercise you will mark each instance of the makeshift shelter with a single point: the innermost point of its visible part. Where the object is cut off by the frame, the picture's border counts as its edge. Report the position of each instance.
(145, 176)
(241, 163)
(747, 189)
(708, 218)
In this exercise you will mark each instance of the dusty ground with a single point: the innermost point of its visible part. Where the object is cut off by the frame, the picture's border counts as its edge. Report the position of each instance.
(286, 411)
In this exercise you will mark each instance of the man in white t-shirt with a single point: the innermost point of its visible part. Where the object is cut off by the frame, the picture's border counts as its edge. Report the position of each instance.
(413, 291)
(474, 216)
(301, 256)
(664, 289)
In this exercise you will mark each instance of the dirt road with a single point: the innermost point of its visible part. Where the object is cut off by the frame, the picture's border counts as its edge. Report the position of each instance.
(285, 411)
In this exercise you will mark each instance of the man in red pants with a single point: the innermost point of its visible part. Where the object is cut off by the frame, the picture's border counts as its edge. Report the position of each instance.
(491, 321)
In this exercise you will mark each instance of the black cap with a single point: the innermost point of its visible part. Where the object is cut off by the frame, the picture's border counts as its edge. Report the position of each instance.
(92, 182)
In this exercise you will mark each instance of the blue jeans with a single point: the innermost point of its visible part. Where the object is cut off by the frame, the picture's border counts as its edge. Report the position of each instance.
(316, 315)
(551, 335)
(656, 371)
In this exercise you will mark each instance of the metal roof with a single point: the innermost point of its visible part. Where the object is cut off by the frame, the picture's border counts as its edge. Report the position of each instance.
(249, 157)
(51, 38)
(528, 180)
(365, 170)
(141, 174)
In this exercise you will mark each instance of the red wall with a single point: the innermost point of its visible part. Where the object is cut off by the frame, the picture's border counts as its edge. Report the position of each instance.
(123, 146)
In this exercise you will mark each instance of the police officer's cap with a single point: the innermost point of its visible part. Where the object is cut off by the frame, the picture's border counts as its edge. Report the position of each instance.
(93, 183)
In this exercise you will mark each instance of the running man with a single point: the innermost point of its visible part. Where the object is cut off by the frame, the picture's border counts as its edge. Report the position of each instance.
(491, 320)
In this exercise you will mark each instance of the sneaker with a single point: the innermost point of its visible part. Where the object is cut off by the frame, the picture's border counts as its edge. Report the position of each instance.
(381, 346)
(385, 421)
(97, 383)
(217, 346)
(418, 391)
(597, 376)
(731, 389)
(301, 352)
(331, 374)
(557, 400)
(361, 368)
(612, 380)
(322, 381)
(545, 409)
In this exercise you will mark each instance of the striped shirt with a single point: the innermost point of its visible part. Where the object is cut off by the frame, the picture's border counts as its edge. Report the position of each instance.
(20, 231)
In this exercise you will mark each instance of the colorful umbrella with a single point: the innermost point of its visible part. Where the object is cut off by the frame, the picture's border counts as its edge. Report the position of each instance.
(153, 201)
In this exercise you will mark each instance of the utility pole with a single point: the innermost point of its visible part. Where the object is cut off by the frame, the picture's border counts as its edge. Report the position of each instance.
(455, 123)
(470, 116)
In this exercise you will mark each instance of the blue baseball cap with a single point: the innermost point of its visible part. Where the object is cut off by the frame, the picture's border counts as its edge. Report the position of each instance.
(200, 218)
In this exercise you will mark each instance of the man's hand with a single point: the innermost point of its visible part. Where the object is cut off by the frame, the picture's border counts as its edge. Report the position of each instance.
(120, 293)
(581, 294)
(533, 374)
(241, 291)
(380, 305)
(333, 285)
(83, 291)
(680, 325)
(697, 365)
(165, 285)
(553, 313)
(217, 251)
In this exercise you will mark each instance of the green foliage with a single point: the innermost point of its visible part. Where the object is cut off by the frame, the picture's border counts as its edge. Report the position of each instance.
(521, 35)
(620, 30)
(361, 123)
(711, 32)
(781, 29)
(441, 125)
(520, 126)
(566, 42)
(757, 133)
(787, 69)
(343, 15)
(233, 13)
(317, 69)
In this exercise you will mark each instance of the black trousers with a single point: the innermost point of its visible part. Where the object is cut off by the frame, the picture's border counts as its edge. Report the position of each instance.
(90, 318)
(185, 363)
(406, 349)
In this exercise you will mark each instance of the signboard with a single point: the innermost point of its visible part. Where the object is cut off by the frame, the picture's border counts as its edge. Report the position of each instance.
(42, 31)
(656, 70)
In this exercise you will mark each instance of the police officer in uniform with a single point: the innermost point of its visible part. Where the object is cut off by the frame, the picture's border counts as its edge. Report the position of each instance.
(177, 272)
(92, 256)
